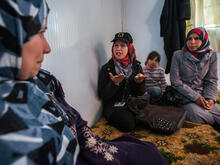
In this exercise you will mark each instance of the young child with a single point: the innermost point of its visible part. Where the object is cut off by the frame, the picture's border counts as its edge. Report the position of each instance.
(155, 82)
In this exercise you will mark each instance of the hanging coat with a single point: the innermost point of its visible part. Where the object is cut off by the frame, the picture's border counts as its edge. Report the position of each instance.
(173, 26)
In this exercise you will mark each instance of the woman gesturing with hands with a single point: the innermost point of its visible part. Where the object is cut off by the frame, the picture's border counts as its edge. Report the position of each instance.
(119, 78)
(139, 78)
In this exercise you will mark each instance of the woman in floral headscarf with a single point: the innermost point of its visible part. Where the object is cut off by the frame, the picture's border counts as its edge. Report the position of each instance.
(37, 126)
(194, 74)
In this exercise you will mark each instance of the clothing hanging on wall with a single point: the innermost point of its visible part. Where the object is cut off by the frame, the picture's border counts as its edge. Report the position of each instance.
(173, 26)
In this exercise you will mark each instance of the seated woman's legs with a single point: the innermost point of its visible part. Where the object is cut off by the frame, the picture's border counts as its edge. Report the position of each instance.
(197, 114)
(155, 92)
(123, 120)
(216, 113)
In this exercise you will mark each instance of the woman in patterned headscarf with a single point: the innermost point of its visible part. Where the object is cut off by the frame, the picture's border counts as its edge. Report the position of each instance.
(120, 77)
(37, 126)
(194, 74)
(33, 129)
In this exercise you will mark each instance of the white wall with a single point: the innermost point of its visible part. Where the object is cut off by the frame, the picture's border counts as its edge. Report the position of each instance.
(142, 20)
(79, 33)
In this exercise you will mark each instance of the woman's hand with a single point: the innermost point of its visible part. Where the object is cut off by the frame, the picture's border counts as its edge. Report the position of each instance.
(201, 101)
(117, 79)
(139, 78)
(207, 104)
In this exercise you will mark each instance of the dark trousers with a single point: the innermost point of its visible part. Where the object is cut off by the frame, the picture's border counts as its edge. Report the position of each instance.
(124, 120)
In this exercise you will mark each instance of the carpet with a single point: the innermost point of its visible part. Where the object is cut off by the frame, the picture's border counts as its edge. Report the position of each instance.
(193, 144)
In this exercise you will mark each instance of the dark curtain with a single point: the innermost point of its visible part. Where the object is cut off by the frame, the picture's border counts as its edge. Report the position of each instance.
(173, 26)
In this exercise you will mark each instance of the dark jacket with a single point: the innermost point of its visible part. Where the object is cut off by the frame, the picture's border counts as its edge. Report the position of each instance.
(111, 93)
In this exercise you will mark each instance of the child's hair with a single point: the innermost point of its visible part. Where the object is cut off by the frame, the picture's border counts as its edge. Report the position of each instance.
(153, 55)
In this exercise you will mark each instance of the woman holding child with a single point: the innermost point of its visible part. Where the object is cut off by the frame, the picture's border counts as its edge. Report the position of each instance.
(194, 74)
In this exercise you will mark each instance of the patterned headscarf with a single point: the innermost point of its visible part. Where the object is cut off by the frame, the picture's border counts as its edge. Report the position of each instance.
(20, 20)
(203, 36)
(35, 127)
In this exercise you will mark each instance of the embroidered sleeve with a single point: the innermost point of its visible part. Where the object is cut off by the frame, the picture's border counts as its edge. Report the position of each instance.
(97, 146)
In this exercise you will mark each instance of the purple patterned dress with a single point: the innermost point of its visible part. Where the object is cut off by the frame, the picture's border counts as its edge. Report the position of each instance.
(125, 150)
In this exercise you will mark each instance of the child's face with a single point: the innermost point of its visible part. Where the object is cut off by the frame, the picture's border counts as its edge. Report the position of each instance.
(153, 63)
